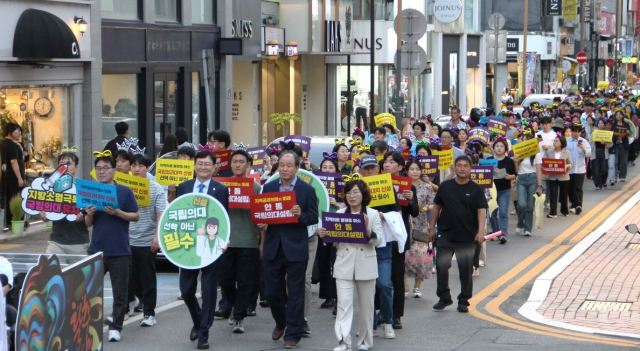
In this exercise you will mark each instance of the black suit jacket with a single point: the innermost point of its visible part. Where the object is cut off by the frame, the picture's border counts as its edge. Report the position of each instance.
(216, 189)
(293, 236)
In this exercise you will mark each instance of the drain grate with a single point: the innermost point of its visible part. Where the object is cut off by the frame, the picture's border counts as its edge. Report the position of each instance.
(605, 306)
(633, 246)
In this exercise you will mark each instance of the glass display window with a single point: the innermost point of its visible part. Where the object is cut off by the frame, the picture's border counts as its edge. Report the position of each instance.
(119, 104)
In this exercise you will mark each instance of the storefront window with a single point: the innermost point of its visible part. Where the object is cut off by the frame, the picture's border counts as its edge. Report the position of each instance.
(360, 84)
(120, 9)
(119, 104)
(43, 112)
(167, 11)
(195, 107)
(383, 10)
(203, 12)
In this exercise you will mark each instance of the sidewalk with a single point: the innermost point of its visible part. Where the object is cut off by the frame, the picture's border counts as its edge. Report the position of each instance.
(38, 228)
(595, 287)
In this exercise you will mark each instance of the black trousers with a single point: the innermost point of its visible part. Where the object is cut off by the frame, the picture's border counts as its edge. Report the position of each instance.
(326, 257)
(575, 189)
(118, 269)
(554, 186)
(397, 280)
(361, 113)
(143, 277)
(464, 256)
(202, 317)
(284, 283)
(238, 278)
(258, 290)
(599, 167)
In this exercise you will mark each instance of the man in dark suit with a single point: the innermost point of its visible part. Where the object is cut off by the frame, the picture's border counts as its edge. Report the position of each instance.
(286, 252)
(202, 317)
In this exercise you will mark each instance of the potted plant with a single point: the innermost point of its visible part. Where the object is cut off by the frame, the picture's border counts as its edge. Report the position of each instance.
(282, 120)
(15, 206)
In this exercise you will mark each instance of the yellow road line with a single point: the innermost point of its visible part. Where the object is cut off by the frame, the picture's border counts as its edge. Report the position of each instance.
(493, 306)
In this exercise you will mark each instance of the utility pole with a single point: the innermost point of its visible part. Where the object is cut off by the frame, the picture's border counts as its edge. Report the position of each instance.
(616, 68)
(372, 42)
(580, 48)
(524, 48)
(399, 61)
(496, 32)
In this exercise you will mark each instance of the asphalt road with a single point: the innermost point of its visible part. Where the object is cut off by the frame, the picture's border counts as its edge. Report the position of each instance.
(507, 277)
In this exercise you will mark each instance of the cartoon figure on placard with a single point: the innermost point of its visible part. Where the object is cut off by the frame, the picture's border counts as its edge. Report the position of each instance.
(209, 247)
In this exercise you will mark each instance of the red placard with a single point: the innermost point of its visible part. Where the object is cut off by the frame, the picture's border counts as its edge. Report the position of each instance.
(401, 184)
(406, 154)
(223, 159)
(240, 191)
(553, 166)
(273, 208)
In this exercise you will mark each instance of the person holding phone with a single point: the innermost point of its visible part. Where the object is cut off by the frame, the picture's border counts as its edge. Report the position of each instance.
(580, 150)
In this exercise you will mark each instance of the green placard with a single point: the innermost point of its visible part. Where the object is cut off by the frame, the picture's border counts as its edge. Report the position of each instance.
(316, 183)
(193, 230)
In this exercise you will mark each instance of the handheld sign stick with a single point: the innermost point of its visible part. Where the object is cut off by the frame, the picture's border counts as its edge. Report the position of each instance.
(492, 235)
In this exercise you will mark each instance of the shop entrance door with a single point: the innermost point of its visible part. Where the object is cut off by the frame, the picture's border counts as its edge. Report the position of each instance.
(165, 106)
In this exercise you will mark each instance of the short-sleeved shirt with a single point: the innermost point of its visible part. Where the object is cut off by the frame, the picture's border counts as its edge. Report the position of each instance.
(111, 233)
(460, 203)
(245, 234)
(141, 233)
(66, 232)
(506, 166)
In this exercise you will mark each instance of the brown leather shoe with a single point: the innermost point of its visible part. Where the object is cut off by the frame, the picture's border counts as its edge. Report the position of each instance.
(289, 344)
(277, 334)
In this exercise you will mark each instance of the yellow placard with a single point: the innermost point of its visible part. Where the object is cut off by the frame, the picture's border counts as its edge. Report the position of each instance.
(602, 136)
(140, 187)
(379, 158)
(381, 187)
(526, 148)
(385, 118)
(603, 84)
(445, 158)
(173, 171)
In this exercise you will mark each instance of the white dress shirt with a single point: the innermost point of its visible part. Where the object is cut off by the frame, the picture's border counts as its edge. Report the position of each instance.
(196, 186)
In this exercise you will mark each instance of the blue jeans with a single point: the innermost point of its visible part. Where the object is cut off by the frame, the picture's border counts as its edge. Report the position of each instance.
(500, 217)
(527, 185)
(384, 286)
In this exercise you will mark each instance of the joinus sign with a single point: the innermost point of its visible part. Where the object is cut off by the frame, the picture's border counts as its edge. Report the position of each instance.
(447, 11)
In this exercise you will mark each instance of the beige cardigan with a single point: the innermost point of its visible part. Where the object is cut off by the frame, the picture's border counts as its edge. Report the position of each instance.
(359, 261)
(566, 155)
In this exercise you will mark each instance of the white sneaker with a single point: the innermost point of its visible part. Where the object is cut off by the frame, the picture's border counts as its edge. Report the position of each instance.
(231, 320)
(114, 335)
(476, 272)
(518, 230)
(388, 331)
(527, 233)
(433, 270)
(416, 292)
(148, 321)
(363, 347)
(481, 263)
(341, 347)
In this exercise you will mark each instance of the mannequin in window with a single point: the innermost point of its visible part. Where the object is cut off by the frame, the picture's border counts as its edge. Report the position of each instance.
(361, 104)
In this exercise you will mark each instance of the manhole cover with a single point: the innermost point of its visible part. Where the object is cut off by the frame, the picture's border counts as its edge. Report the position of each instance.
(605, 306)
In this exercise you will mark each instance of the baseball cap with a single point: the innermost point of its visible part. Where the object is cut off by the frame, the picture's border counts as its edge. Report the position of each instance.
(368, 160)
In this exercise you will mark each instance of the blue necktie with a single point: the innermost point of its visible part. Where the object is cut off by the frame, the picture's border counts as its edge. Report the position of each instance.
(201, 187)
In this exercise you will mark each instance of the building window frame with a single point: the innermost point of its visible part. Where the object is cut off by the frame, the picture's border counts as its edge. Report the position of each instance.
(178, 20)
(214, 9)
(140, 14)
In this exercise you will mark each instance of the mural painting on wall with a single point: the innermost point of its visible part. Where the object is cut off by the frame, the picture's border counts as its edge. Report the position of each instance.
(61, 309)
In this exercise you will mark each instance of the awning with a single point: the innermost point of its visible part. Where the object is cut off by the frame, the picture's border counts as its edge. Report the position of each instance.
(40, 34)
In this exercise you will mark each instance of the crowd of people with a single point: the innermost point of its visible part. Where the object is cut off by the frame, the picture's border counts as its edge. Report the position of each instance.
(445, 213)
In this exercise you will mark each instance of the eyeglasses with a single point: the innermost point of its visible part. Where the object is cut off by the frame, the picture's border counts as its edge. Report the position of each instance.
(353, 193)
(103, 169)
(199, 164)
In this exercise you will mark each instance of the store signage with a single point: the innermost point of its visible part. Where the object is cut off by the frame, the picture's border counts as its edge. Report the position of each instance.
(447, 11)
(241, 29)
(587, 12)
(554, 7)
(607, 24)
(513, 44)
(581, 57)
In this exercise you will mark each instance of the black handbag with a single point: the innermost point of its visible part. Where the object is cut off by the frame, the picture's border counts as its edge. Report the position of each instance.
(420, 236)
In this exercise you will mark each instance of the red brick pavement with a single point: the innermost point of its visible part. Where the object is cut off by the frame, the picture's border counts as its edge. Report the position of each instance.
(607, 272)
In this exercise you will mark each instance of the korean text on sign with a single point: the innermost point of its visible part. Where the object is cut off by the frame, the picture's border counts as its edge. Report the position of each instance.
(273, 208)
(240, 191)
(526, 149)
(445, 158)
(140, 187)
(482, 175)
(400, 185)
(223, 159)
(553, 166)
(602, 136)
(39, 200)
(497, 125)
(334, 184)
(257, 154)
(381, 187)
(344, 228)
(173, 171)
(302, 141)
(96, 194)
(430, 165)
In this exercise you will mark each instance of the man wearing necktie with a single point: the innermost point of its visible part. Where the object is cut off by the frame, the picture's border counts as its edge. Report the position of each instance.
(202, 316)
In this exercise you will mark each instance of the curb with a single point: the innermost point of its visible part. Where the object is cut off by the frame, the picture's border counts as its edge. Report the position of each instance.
(34, 229)
(542, 284)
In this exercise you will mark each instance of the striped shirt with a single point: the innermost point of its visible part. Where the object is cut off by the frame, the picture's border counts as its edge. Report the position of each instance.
(142, 232)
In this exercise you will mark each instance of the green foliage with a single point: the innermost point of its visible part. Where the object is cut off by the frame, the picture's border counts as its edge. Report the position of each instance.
(15, 206)
(281, 120)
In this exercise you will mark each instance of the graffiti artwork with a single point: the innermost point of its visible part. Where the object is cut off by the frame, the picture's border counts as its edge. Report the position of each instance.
(61, 309)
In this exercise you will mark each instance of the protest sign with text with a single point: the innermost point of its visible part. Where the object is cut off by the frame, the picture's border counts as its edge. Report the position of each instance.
(482, 175)
(223, 159)
(95, 194)
(273, 208)
(400, 185)
(333, 183)
(429, 165)
(381, 188)
(344, 228)
(602, 136)
(257, 154)
(526, 149)
(173, 171)
(553, 166)
(385, 118)
(497, 125)
(140, 187)
(240, 191)
(479, 134)
(301, 141)
(445, 159)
